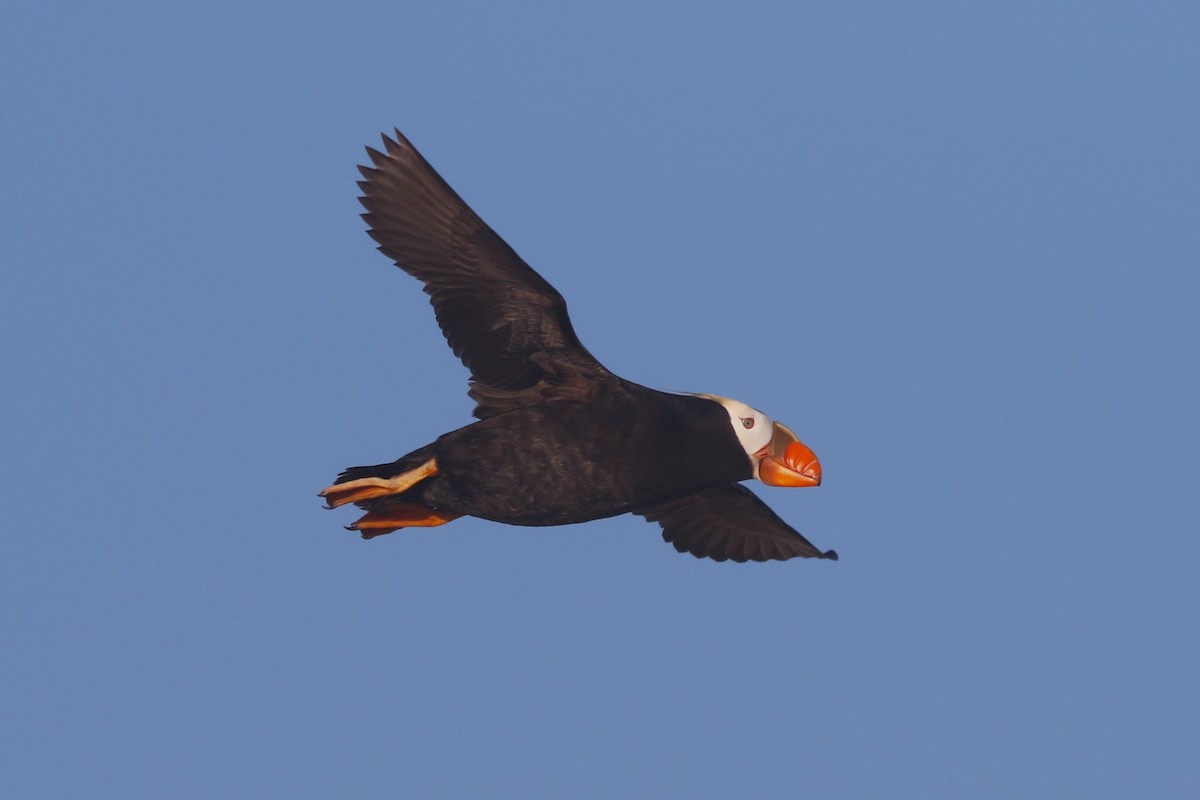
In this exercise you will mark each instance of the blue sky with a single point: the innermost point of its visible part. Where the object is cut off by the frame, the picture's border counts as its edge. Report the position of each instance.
(954, 246)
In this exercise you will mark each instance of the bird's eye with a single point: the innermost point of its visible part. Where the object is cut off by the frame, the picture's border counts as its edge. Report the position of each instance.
(747, 422)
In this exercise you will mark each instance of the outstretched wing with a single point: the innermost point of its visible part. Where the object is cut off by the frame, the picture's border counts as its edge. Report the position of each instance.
(507, 324)
(729, 522)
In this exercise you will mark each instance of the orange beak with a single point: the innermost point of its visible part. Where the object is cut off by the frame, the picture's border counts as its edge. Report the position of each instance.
(786, 461)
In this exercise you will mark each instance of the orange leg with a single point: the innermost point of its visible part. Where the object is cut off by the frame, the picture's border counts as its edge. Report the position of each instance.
(395, 516)
(369, 488)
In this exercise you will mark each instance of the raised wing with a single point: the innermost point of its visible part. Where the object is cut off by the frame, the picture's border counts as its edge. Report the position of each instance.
(507, 324)
(729, 523)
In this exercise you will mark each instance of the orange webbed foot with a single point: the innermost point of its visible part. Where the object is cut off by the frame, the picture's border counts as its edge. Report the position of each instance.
(356, 491)
(395, 516)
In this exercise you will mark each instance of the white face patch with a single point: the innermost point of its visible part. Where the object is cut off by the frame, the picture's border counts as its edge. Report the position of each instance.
(754, 429)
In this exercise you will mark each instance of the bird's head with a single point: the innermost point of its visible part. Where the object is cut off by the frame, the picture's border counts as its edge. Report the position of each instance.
(777, 455)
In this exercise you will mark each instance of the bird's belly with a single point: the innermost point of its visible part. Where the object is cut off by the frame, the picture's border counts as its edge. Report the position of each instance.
(566, 462)
(553, 494)
(534, 469)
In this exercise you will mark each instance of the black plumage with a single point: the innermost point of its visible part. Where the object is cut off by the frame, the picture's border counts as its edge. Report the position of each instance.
(560, 439)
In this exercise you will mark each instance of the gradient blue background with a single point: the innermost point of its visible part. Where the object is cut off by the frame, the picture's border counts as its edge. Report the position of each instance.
(955, 246)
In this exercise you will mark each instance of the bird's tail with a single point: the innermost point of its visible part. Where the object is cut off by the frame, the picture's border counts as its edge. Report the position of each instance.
(359, 484)
(401, 465)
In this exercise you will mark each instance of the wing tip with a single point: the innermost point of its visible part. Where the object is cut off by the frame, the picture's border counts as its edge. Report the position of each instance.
(395, 146)
(830, 554)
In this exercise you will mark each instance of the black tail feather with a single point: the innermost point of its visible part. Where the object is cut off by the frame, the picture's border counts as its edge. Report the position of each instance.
(405, 463)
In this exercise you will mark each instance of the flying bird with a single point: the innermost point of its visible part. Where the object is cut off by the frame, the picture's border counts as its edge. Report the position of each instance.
(559, 439)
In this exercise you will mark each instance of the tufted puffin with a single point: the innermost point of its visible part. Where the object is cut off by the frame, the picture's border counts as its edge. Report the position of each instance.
(559, 439)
